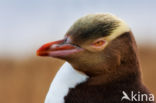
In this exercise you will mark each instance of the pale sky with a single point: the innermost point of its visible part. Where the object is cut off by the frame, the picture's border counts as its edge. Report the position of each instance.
(27, 24)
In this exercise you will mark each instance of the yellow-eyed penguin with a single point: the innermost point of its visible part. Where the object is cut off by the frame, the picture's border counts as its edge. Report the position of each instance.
(102, 63)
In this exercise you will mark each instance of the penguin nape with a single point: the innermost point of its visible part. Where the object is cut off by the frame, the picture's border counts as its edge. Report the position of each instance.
(103, 63)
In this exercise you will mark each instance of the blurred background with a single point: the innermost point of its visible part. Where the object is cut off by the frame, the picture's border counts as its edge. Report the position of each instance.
(27, 24)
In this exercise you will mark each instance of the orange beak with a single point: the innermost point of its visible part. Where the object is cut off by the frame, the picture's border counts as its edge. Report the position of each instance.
(58, 49)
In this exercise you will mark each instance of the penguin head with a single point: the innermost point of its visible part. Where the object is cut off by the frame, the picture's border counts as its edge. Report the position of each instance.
(93, 45)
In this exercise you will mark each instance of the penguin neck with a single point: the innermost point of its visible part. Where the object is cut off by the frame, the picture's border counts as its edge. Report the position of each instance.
(124, 73)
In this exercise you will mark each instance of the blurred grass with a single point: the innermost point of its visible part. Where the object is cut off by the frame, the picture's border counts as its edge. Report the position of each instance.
(28, 80)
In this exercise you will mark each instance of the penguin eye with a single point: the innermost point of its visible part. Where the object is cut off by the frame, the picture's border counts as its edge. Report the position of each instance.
(99, 43)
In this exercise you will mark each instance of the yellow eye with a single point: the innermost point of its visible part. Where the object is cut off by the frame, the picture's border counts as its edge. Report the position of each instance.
(99, 43)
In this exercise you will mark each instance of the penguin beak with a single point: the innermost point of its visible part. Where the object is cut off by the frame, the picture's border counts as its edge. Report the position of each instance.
(58, 49)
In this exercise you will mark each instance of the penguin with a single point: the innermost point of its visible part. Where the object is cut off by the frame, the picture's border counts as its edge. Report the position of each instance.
(102, 65)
